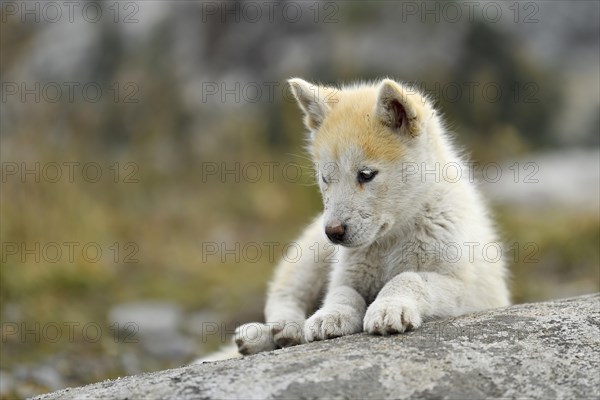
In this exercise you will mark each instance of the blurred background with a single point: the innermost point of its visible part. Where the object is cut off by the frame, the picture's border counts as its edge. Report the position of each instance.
(153, 170)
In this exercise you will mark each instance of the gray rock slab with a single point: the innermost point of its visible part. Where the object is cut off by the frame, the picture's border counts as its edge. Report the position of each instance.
(543, 350)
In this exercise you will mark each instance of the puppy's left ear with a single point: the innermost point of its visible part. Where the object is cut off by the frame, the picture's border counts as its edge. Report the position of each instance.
(399, 109)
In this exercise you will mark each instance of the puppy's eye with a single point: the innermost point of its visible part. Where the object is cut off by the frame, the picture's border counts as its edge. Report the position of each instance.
(366, 175)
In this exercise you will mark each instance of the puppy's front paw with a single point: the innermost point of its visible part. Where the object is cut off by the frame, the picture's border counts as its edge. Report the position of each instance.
(254, 338)
(288, 333)
(391, 315)
(330, 323)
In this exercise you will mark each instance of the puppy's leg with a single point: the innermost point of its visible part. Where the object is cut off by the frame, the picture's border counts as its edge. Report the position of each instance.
(296, 288)
(342, 314)
(344, 307)
(410, 297)
(401, 304)
(253, 338)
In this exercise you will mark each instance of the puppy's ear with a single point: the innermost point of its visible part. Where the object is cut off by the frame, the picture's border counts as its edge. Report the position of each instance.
(399, 109)
(314, 100)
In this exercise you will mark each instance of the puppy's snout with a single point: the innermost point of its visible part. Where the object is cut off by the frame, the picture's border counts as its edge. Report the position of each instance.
(336, 232)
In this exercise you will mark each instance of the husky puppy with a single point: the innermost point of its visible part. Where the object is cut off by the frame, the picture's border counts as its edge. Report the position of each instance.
(404, 235)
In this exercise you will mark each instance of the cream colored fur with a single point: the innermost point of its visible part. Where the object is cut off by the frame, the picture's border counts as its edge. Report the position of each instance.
(416, 242)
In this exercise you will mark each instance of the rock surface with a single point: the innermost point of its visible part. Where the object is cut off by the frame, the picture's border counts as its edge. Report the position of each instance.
(542, 350)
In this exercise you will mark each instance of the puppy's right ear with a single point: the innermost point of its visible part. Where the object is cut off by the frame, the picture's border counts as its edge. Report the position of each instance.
(399, 109)
(314, 100)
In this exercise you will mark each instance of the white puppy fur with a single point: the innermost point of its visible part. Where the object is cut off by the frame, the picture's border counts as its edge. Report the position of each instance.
(413, 239)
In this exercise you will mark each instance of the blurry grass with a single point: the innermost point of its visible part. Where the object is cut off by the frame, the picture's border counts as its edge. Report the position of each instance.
(558, 253)
(168, 214)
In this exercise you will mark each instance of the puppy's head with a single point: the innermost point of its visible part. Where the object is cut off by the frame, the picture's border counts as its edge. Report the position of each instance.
(362, 140)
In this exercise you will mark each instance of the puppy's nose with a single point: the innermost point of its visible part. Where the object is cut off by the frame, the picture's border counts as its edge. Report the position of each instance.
(336, 232)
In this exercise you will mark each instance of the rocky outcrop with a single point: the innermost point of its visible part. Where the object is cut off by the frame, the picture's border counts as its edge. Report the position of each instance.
(542, 350)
